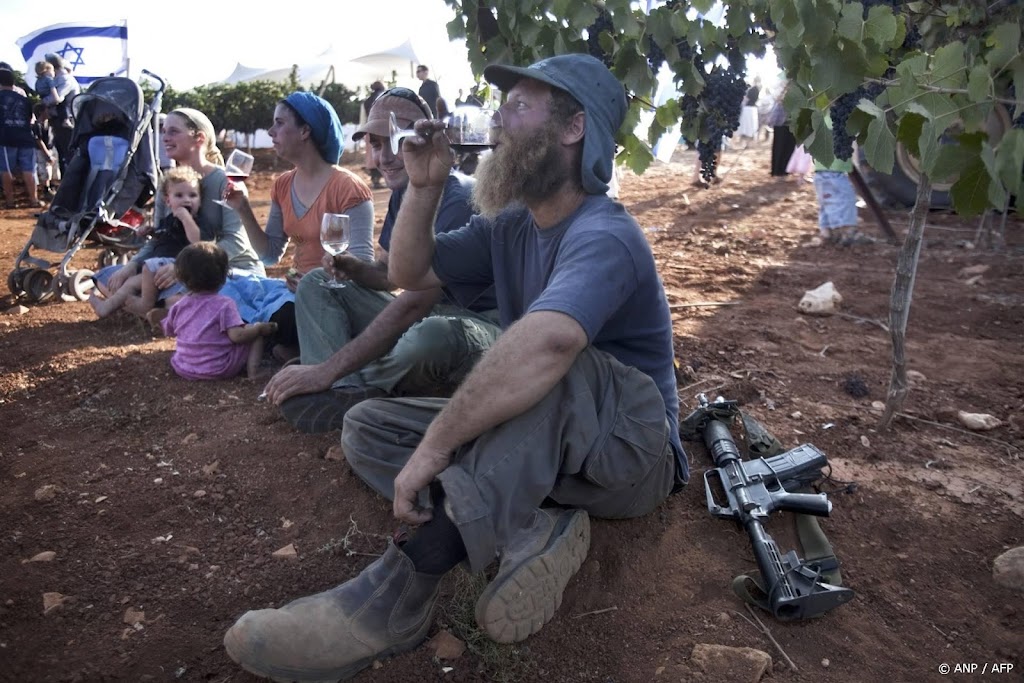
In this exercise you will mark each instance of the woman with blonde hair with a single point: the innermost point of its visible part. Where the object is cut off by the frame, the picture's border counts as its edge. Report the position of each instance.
(190, 140)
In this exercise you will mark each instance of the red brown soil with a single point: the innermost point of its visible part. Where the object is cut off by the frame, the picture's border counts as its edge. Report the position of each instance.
(93, 408)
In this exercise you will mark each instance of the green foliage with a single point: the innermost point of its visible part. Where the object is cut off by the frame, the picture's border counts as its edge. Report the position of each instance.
(346, 102)
(937, 71)
(249, 106)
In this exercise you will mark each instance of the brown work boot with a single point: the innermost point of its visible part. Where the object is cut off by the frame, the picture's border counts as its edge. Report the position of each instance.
(331, 636)
(535, 568)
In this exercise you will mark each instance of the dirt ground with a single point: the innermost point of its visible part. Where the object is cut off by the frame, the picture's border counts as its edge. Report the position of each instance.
(168, 497)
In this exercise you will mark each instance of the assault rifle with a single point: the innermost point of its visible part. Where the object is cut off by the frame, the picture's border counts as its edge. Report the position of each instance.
(791, 588)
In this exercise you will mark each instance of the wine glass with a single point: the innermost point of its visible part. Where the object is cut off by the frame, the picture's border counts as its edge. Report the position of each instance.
(468, 129)
(237, 168)
(335, 230)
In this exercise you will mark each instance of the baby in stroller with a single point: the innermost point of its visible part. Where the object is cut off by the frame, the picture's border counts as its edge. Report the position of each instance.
(181, 191)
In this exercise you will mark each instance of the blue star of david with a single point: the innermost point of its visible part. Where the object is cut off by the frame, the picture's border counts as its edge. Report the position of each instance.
(78, 61)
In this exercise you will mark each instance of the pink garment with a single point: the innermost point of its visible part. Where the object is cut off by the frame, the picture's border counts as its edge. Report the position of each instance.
(801, 162)
(204, 351)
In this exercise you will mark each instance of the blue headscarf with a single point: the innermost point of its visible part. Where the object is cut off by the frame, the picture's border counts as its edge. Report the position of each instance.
(323, 122)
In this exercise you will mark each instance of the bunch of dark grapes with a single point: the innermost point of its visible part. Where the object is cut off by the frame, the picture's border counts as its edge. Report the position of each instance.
(842, 142)
(602, 23)
(913, 39)
(655, 55)
(685, 50)
(689, 108)
(722, 100)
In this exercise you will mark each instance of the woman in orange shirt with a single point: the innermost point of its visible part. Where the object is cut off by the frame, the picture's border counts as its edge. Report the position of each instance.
(306, 132)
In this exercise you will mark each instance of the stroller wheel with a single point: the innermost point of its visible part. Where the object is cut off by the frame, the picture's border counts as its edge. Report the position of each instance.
(16, 280)
(110, 257)
(81, 284)
(37, 285)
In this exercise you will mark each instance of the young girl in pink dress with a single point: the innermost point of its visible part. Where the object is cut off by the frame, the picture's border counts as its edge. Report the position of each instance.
(212, 340)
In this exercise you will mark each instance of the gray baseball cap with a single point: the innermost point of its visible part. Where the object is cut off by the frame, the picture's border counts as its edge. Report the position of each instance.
(603, 98)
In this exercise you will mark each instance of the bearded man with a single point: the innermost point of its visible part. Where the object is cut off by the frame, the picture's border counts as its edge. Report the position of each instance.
(572, 412)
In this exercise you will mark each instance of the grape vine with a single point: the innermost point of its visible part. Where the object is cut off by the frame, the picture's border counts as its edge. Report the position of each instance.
(842, 141)
(721, 100)
(602, 23)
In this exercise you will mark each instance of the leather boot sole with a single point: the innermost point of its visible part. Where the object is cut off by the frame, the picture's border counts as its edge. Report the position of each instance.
(515, 606)
(325, 411)
(236, 651)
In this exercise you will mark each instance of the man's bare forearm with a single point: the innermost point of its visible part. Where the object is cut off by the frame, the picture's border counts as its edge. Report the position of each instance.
(412, 242)
(380, 336)
(372, 275)
(513, 376)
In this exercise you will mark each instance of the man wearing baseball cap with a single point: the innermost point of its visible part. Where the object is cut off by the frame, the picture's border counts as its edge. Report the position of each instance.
(572, 412)
(361, 341)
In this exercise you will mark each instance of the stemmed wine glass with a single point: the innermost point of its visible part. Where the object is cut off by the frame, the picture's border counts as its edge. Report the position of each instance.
(335, 231)
(237, 168)
(468, 129)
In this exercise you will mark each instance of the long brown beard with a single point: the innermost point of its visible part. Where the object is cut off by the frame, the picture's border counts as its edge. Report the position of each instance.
(522, 169)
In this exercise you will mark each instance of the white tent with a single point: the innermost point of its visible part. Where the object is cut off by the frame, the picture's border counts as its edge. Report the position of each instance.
(354, 70)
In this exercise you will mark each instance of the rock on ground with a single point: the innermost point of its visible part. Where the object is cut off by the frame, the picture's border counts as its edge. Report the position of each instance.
(736, 664)
(1008, 569)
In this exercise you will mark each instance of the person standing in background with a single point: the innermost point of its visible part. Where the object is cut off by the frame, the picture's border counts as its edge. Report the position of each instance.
(783, 141)
(748, 116)
(428, 88)
(17, 144)
(46, 153)
(18, 89)
(61, 118)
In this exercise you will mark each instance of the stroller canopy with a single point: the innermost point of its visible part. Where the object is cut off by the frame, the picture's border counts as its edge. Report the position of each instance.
(114, 96)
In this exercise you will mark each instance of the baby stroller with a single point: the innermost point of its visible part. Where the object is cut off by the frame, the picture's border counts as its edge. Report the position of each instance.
(110, 178)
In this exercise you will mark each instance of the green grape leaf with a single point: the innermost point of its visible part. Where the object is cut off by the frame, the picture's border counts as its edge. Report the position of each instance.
(880, 26)
(626, 24)
(637, 153)
(1010, 160)
(668, 113)
(838, 71)
(851, 22)
(819, 22)
(880, 146)
(948, 66)
(819, 144)
(908, 132)
(702, 6)
(969, 193)
(951, 159)
(927, 147)
(870, 108)
(1005, 43)
(1018, 86)
(979, 84)
(581, 13)
(456, 28)
(996, 191)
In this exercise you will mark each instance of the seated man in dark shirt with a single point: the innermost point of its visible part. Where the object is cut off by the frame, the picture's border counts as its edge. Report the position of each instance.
(361, 341)
(572, 412)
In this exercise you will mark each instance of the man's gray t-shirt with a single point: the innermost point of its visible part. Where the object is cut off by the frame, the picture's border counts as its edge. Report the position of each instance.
(595, 266)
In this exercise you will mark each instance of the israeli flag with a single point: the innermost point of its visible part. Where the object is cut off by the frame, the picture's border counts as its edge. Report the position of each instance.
(91, 51)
